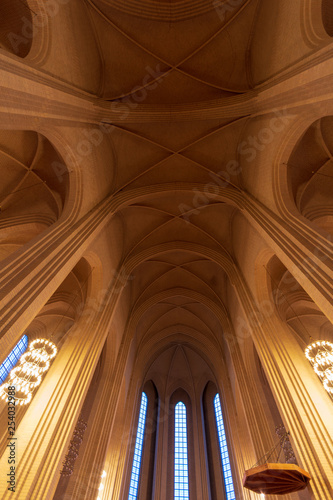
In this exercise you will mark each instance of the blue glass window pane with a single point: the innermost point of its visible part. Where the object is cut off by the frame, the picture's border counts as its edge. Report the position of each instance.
(135, 476)
(229, 486)
(13, 358)
(181, 460)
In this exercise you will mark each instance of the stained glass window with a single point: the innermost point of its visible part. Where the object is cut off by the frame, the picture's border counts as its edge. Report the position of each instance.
(135, 476)
(181, 459)
(229, 486)
(13, 358)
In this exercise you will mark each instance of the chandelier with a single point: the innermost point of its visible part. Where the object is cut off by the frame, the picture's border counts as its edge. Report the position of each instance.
(320, 355)
(28, 374)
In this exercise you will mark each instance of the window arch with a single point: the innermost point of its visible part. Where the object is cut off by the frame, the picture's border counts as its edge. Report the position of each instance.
(13, 358)
(220, 489)
(181, 486)
(228, 482)
(135, 476)
(180, 404)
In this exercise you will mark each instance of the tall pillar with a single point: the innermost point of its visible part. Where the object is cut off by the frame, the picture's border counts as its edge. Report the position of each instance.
(96, 450)
(255, 415)
(47, 426)
(305, 253)
(307, 412)
(38, 268)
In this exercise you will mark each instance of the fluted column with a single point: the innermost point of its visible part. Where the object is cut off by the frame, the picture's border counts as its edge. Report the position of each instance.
(106, 411)
(306, 410)
(237, 448)
(255, 415)
(307, 255)
(48, 424)
(37, 269)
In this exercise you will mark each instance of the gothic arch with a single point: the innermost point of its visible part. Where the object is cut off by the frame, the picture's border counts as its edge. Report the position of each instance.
(297, 174)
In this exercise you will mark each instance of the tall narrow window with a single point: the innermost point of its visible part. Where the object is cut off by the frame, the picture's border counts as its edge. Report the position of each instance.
(135, 476)
(181, 490)
(13, 358)
(229, 486)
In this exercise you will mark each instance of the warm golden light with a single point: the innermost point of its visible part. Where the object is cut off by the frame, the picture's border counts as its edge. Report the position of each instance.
(320, 355)
(101, 486)
(28, 374)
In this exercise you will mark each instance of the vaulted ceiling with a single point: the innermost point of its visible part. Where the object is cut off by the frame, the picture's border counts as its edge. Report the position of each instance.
(169, 54)
(166, 56)
(169, 61)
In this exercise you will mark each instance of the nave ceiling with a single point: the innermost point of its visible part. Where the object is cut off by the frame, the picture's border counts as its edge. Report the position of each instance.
(156, 57)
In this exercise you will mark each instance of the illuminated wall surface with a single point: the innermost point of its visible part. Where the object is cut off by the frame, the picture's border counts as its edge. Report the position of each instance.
(135, 476)
(229, 486)
(13, 358)
(181, 461)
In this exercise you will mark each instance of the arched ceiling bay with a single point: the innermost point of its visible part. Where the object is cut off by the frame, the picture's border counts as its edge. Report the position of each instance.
(310, 171)
(176, 58)
(180, 366)
(32, 196)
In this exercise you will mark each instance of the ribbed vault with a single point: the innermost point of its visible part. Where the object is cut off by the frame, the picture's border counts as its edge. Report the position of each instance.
(212, 63)
(183, 184)
(166, 218)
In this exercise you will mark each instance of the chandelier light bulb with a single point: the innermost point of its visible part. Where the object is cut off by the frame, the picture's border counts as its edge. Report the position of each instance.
(328, 384)
(28, 374)
(320, 355)
(44, 347)
(329, 374)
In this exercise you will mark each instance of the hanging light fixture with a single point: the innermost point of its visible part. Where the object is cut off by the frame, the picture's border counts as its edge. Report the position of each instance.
(320, 355)
(28, 374)
(274, 478)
